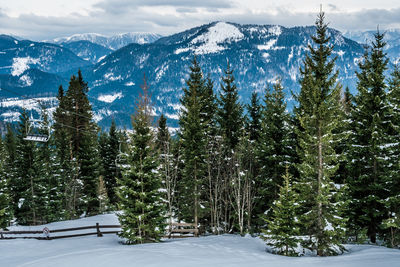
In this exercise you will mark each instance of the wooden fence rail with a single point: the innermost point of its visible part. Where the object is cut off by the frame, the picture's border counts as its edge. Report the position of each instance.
(99, 233)
(175, 228)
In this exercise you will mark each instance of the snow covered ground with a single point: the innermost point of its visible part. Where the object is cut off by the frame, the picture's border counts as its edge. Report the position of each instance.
(225, 250)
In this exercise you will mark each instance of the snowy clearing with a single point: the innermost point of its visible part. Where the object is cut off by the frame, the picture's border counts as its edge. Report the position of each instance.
(225, 250)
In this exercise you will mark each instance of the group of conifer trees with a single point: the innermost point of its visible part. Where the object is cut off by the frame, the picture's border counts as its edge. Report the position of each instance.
(320, 176)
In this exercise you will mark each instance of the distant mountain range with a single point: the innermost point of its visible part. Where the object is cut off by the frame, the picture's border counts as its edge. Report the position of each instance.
(111, 42)
(258, 54)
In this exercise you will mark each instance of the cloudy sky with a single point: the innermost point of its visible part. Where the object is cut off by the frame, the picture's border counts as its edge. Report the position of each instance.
(45, 19)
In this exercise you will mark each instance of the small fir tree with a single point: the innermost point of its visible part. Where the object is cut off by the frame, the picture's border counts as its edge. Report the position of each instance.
(283, 226)
(143, 211)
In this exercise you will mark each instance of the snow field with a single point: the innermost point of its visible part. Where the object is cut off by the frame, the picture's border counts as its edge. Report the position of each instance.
(224, 250)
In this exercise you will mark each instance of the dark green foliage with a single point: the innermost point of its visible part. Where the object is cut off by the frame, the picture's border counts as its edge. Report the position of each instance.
(89, 173)
(139, 193)
(76, 141)
(370, 138)
(28, 184)
(319, 117)
(283, 226)
(392, 204)
(230, 112)
(109, 151)
(253, 125)
(192, 134)
(10, 169)
(275, 148)
(5, 210)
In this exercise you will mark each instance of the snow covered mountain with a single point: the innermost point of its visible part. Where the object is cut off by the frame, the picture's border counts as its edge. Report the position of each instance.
(19, 56)
(87, 50)
(392, 38)
(111, 42)
(258, 54)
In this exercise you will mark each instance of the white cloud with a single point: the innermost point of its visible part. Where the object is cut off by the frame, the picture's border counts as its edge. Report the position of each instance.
(45, 19)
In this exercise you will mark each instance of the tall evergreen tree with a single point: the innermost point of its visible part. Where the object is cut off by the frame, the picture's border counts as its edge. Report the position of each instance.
(75, 115)
(168, 174)
(392, 203)
(28, 183)
(275, 149)
(64, 158)
(230, 112)
(192, 134)
(253, 125)
(5, 210)
(319, 107)
(231, 126)
(370, 139)
(10, 169)
(143, 214)
(111, 172)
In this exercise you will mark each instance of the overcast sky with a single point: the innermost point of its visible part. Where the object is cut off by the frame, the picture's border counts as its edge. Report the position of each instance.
(45, 19)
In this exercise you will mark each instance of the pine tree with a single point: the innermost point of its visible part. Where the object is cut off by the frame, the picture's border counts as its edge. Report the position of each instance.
(10, 168)
(139, 193)
(253, 125)
(89, 173)
(370, 139)
(5, 210)
(192, 135)
(110, 151)
(318, 111)
(28, 183)
(392, 203)
(230, 112)
(169, 178)
(283, 225)
(275, 149)
(65, 171)
(231, 126)
(82, 167)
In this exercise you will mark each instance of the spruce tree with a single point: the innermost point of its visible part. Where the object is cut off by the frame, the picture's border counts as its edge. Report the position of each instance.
(28, 183)
(283, 225)
(370, 142)
(164, 147)
(192, 135)
(392, 203)
(253, 125)
(5, 210)
(111, 172)
(231, 126)
(230, 112)
(74, 122)
(140, 199)
(65, 171)
(318, 111)
(10, 168)
(275, 149)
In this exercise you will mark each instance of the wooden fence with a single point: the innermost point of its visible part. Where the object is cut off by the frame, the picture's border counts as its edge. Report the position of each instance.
(49, 236)
(177, 230)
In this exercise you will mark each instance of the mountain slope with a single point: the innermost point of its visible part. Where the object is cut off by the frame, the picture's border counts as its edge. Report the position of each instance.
(18, 56)
(392, 38)
(259, 54)
(87, 50)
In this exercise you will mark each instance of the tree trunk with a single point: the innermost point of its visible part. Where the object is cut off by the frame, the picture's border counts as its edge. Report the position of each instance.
(319, 204)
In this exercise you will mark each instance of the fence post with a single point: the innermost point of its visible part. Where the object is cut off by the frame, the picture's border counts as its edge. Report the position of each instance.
(99, 234)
